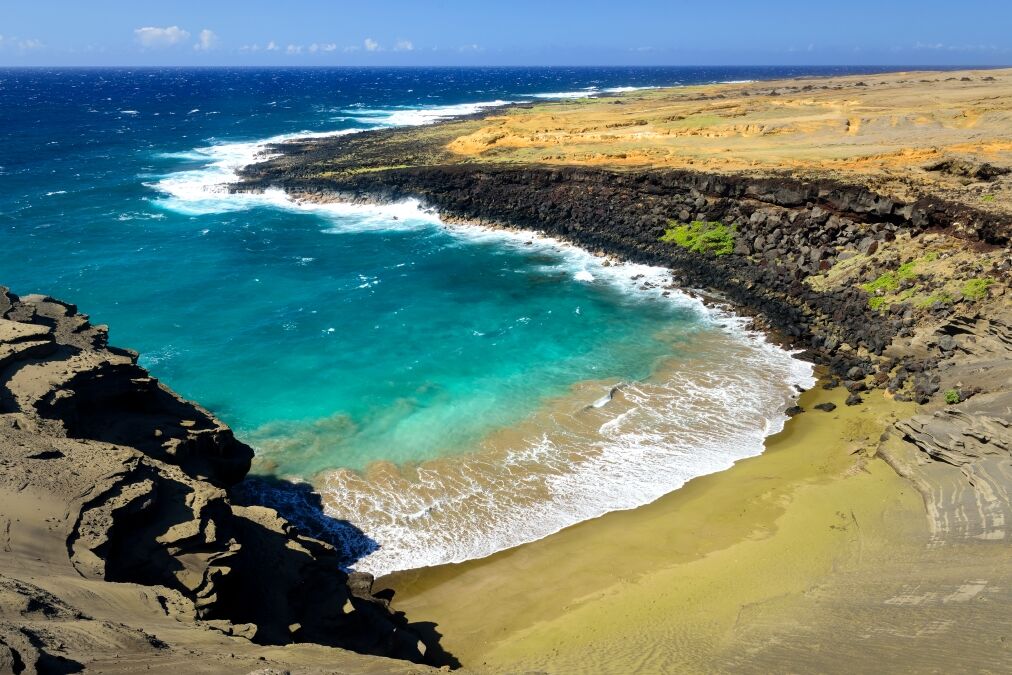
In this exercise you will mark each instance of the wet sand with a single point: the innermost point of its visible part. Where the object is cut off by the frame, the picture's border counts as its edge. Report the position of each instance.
(788, 552)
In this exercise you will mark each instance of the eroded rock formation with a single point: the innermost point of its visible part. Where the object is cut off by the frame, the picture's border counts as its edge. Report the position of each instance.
(108, 476)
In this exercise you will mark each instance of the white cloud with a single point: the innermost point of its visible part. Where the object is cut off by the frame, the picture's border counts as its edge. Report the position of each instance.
(471, 48)
(272, 46)
(322, 47)
(404, 46)
(250, 48)
(206, 40)
(938, 46)
(293, 49)
(21, 45)
(151, 36)
(371, 45)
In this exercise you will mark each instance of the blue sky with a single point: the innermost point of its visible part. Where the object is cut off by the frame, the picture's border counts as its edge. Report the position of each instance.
(500, 32)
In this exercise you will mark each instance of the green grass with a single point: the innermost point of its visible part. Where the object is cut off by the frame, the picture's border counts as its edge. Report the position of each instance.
(890, 281)
(883, 301)
(976, 289)
(701, 237)
(987, 198)
(878, 302)
(940, 296)
(951, 396)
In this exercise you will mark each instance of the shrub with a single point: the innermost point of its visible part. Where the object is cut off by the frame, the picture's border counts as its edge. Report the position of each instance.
(951, 396)
(701, 237)
(976, 289)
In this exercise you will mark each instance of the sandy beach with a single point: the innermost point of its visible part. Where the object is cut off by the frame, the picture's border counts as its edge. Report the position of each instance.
(810, 544)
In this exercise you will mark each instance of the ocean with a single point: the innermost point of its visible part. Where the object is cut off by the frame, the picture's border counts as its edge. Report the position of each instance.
(449, 391)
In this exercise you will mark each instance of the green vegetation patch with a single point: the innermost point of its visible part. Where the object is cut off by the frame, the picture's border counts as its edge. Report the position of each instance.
(710, 237)
(890, 281)
(976, 289)
(952, 396)
(940, 297)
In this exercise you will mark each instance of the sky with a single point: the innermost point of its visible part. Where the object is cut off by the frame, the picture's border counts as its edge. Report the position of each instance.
(504, 32)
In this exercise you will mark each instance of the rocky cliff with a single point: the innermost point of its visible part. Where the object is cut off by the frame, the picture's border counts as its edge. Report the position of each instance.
(123, 537)
(785, 232)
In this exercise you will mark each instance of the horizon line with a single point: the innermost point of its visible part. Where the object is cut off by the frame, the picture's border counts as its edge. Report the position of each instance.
(926, 66)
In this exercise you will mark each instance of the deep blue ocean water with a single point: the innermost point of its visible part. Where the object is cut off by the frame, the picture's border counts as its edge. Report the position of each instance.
(332, 338)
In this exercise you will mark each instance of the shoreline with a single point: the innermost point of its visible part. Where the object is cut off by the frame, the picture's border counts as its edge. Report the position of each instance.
(616, 559)
(725, 566)
(553, 459)
(336, 483)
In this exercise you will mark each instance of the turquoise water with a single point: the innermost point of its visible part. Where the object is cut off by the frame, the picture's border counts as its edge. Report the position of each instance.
(335, 337)
(403, 345)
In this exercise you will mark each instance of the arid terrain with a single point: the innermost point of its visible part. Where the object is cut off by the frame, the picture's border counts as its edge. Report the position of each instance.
(947, 133)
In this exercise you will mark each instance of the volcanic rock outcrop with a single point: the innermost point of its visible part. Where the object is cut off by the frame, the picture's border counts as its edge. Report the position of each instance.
(107, 476)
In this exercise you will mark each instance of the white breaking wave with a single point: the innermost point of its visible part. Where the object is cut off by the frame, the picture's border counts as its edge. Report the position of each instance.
(588, 92)
(410, 117)
(622, 90)
(565, 94)
(205, 190)
(698, 416)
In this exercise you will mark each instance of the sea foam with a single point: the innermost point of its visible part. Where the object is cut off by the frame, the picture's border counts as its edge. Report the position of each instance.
(577, 459)
(696, 415)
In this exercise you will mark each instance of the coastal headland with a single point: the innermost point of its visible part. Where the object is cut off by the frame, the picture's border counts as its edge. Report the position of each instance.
(127, 546)
(863, 220)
